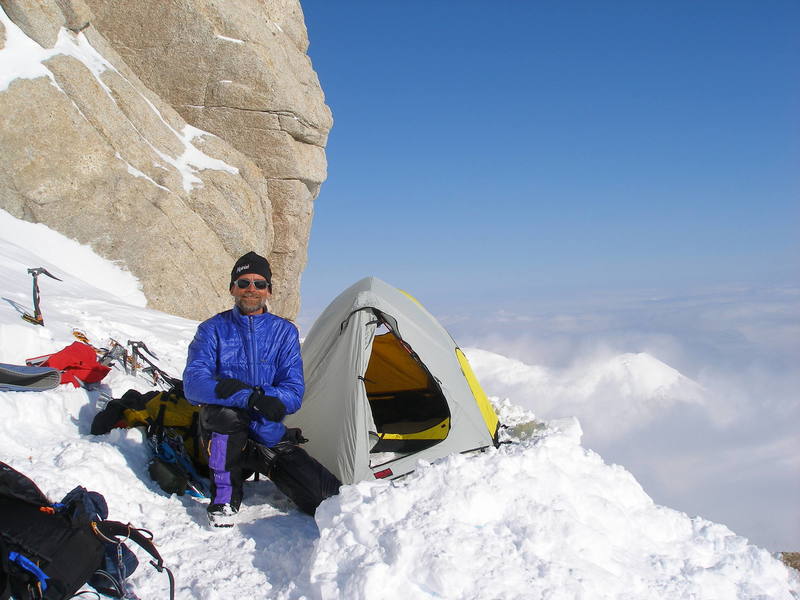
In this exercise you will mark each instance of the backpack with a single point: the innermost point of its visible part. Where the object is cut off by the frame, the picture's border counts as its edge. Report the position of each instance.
(49, 551)
(178, 463)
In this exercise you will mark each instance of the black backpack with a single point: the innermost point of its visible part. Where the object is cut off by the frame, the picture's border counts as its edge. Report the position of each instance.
(49, 551)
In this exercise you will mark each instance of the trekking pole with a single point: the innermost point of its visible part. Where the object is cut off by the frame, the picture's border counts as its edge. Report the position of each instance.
(36, 317)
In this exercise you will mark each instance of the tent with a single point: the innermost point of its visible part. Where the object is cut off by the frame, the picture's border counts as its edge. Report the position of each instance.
(386, 386)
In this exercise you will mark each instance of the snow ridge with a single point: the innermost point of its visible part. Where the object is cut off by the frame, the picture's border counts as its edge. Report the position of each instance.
(543, 518)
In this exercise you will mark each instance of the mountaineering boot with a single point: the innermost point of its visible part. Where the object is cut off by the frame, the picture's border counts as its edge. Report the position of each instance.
(222, 515)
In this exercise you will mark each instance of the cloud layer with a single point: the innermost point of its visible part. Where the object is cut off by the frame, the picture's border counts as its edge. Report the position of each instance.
(697, 395)
(613, 395)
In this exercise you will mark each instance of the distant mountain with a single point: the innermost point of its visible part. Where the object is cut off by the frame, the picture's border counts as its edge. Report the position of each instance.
(612, 393)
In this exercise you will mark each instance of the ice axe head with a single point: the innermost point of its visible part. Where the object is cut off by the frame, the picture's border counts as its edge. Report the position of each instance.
(36, 271)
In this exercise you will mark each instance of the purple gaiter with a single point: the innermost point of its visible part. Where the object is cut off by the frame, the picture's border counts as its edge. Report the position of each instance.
(221, 494)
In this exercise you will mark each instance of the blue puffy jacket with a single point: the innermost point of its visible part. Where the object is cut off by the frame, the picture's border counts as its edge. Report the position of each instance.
(260, 350)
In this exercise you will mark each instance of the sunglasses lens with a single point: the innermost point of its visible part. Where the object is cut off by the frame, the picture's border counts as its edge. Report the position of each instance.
(243, 284)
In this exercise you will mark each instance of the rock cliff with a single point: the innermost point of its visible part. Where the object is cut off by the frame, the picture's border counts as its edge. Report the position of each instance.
(170, 136)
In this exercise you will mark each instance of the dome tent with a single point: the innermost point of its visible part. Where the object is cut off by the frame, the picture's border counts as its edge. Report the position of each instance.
(386, 386)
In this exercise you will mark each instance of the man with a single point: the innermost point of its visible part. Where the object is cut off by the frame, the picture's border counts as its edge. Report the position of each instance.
(245, 370)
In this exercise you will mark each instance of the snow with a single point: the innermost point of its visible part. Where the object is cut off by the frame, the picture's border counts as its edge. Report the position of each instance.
(137, 173)
(566, 525)
(229, 39)
(23, 241)
(21, 57)
(542, 517)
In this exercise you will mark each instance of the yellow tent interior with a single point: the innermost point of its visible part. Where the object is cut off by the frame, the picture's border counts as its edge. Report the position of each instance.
(408, 407)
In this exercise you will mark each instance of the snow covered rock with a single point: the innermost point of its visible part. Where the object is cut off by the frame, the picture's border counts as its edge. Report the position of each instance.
(239, 70)
(39, 19)
(92, 151)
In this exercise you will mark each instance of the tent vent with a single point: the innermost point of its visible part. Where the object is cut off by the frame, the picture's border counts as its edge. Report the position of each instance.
(383, 474)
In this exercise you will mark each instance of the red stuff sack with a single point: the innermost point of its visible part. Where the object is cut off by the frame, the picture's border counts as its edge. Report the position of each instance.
(77, 363)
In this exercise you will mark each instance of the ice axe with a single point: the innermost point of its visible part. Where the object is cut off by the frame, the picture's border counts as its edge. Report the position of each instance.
(36, 317)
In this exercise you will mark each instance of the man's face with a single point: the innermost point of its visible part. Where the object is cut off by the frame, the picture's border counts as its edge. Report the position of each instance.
(250, 300)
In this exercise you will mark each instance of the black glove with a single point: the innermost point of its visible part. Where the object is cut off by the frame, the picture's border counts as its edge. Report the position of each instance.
(294, 435)
(269, 406)
(227, 387)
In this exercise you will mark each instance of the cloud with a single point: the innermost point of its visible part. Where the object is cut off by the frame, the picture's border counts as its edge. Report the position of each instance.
(697, 395)
(744, 475)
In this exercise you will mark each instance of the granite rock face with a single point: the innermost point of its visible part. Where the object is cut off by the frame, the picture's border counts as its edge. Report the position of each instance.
(240, 71)
(93, 151)
(39, 19)
(77, 15)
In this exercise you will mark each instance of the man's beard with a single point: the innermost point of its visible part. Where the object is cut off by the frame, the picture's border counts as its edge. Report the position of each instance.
(251, 304)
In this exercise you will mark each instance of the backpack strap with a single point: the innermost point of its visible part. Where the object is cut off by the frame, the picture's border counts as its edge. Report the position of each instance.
(27, 564)
(157, 426)
(110, 530)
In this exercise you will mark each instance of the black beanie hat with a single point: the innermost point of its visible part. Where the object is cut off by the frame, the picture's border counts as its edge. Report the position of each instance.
(252, 263)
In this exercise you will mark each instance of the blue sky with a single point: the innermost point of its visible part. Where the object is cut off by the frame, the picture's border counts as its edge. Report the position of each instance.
(555, 149)
(561, 182)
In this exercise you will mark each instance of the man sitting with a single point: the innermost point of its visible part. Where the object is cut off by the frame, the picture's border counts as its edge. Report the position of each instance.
(245, 370)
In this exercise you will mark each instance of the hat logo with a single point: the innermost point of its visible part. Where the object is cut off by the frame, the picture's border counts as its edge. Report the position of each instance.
(242, 268)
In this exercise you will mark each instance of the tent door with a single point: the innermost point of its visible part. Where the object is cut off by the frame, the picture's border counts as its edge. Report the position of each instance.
(408, 407)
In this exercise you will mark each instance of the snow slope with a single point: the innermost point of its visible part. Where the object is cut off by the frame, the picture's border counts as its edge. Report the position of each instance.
(539, 518)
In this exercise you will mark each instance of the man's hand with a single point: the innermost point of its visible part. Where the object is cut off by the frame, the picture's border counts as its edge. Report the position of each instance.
(269, 406)
(227, 387)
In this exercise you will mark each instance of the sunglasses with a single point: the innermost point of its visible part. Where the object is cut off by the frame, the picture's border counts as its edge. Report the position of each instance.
(243, 284)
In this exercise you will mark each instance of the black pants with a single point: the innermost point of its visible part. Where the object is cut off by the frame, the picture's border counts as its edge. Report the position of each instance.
(233, 457)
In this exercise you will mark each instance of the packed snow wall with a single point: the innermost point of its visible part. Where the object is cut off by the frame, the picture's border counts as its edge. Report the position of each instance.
(171, 137)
